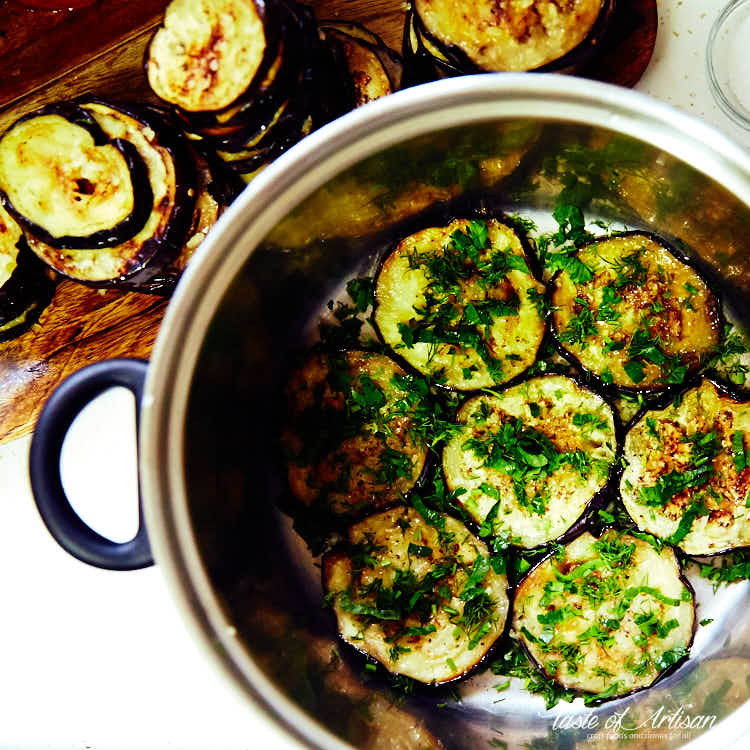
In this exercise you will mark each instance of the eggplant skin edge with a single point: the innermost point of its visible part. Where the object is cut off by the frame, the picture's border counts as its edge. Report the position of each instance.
(441, 218)
(661, 675)
(25, 295)
(314, 369)
(581, 522)
(498, 583)
(664, 401)
(124, 229)
(658, 390)
(155, 254)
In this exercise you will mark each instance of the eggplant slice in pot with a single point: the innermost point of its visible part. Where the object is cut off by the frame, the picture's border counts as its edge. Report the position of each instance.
(687, 471)
(605, 616)
(352, 441)
(136, 261)
(420, 597)
(71, 184)
(26, 286)
(459, 303)
(529, 460)
(632, 312)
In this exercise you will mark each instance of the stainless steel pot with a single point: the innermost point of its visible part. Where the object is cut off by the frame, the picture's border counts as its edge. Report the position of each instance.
(210, 406)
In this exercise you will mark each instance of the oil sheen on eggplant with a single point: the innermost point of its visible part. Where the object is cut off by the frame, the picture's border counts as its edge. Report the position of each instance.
(509, 35)
(459, 303)
(633, 313)
(350, 439)
(207, 52)
(687, 471)
(171, 177)
(421, 598)
(605, 616)
(531, 458)
(66, 182)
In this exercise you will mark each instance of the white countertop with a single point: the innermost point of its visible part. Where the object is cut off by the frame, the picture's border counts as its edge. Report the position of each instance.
(102, 660)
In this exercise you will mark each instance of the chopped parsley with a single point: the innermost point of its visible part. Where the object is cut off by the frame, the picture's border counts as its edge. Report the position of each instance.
(524, 453)
(646, 348)
(705, 447)
(514, 663)
(732, 567)
(581, 326)
(451, 317)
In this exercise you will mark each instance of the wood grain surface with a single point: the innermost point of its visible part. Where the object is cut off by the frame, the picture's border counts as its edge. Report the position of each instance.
(52, 55)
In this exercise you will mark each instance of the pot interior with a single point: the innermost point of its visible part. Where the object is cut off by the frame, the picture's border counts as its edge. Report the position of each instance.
(263, 573)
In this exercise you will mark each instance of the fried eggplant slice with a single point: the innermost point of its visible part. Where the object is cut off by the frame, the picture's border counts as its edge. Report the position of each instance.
(605, 616)
(531, 458)
(510, 35)
(64, 180)
(421, 598)
(687, 471)
(26, 287)
(459, 303)
(629, 310)
(171, 175)
(208, 52)
(390, 59)
(368, 74)
(351, 438)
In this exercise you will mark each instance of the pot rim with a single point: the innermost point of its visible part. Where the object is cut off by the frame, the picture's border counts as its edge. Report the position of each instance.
(277, 190)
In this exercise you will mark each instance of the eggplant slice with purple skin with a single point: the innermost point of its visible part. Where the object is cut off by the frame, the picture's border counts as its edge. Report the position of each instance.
(687, 471)
(368, 75)
(511, 36)
(209, 53)
(606, 617)
(361, 45)
(423, 62)
(135, 262)
(351, 439)
(301, 85)
(420, 597)
(631, 311)
(530, 459)
(459, 303)
(69, 183)
(26, 286)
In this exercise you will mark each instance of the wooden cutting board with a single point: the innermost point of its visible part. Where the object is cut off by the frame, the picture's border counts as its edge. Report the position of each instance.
(52, 55)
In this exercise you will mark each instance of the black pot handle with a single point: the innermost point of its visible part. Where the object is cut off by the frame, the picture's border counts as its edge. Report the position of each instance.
(71, 533)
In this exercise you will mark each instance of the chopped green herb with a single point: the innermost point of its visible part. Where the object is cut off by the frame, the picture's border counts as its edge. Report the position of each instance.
(514, 663)
(581, 326)
(738, 451)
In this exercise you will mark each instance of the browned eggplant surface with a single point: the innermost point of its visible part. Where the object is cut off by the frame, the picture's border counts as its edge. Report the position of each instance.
(459, 303)
(531, 458)
(605, 616)
(687, 471)
(351, 438)
(634, 313)
(419, 597)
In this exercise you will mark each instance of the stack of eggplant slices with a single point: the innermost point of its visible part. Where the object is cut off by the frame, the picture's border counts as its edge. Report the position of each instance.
(119, 195)
(479, 437)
